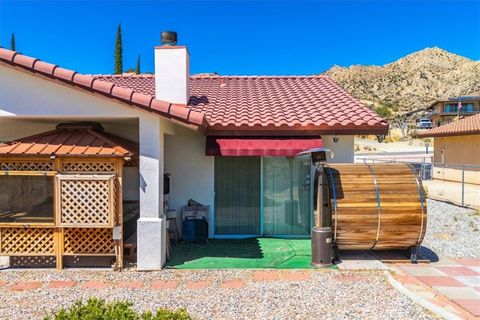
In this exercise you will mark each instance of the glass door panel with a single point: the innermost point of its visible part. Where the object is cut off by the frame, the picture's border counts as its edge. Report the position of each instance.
(237, 195)
(286, 196)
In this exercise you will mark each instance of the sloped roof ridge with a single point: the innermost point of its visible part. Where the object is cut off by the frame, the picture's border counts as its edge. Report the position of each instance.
(109, 89)
(207, 76)
(467, 125)
(133, 75)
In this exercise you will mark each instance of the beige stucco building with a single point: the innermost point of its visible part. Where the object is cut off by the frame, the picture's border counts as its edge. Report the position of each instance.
(457, 148)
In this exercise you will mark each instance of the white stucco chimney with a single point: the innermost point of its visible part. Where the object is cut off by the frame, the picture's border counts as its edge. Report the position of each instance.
(172, 70)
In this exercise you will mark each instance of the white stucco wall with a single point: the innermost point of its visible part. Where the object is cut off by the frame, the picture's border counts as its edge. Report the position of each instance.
(29, 97)
(191, 172)
(344, 149)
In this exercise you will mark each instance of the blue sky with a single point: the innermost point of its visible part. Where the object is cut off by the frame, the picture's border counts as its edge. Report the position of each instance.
(247, 37)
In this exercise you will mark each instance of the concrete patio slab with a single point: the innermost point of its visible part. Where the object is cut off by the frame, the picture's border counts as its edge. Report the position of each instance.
(443, 281)
(476, 269)
(457, 288)
(457, 271)
(472, 306)
(359, 260)
(422, 271)
(468, 262)
(471, 281)
(458, 293)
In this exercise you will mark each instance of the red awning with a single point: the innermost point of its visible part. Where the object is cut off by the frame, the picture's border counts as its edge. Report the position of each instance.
(260, 146)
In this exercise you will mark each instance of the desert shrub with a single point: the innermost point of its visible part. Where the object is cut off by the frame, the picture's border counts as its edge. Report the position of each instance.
(99, 309)
(392, 138)
(384, 112)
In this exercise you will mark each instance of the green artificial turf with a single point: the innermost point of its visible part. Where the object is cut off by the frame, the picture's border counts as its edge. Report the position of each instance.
(255, 253)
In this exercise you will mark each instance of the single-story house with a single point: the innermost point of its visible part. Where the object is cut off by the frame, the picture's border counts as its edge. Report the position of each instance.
(456, 147)
(227, 142)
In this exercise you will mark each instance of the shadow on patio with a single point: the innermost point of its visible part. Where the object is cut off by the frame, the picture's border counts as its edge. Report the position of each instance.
(254, 253)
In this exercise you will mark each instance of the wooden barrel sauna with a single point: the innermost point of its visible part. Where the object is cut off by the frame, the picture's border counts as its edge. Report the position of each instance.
(376, 206)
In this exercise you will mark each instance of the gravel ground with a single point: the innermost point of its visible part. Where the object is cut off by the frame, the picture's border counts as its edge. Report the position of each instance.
(329, 294)
(452, 232)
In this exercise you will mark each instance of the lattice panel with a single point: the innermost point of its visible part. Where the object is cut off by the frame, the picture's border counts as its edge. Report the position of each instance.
(86, 202)
(31, 241)
(88, 167)
(89, 241)
(26, 166)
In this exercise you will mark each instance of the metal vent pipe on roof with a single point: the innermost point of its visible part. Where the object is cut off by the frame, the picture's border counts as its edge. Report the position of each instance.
(169, 38)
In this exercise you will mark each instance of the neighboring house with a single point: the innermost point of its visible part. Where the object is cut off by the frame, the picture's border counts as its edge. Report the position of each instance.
(229, 142)
(456, 144)
(446, 110)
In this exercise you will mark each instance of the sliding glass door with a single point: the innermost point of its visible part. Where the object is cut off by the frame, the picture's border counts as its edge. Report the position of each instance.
(286, 196)
(262, 196)
(237, 195)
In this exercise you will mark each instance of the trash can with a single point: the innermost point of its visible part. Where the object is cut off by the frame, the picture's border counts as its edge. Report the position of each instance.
(321, 246)
(195, 230)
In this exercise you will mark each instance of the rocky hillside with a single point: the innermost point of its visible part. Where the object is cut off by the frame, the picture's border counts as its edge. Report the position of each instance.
(412, 82)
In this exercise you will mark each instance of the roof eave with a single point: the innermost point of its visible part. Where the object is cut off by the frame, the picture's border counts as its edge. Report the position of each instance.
(189, 118)
(447, 134)
(379, 129)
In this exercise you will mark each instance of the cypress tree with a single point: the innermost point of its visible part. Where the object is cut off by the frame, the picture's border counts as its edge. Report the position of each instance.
(137, 68)
(12, 42)
(118, 69)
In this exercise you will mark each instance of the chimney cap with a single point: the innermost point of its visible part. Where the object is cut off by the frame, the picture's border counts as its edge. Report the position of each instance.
(169, 38)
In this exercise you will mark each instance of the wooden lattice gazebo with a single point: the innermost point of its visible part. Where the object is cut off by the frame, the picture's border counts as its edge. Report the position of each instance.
(61, 193)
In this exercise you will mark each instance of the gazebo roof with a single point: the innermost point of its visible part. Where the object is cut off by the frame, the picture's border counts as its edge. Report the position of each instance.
(84, 139)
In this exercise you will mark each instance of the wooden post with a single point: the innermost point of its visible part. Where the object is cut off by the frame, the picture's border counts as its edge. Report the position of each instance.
(120, 211)
(59, 246)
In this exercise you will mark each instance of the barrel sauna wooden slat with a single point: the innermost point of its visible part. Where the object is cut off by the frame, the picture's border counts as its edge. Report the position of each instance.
(376, 206)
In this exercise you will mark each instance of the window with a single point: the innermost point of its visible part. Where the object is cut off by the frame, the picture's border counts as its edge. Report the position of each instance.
(467, 107)
(450, 107)
(26, 199)
(262, 196)
(453, 107)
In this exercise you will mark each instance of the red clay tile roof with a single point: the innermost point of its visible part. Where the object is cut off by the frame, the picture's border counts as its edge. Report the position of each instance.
(134, 98)
(227, 105)
(79, 139)
(263, 103)
(467, 125)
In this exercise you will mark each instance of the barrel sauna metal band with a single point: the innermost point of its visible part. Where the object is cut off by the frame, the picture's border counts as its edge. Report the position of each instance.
(379, 207)
(420, 193)
(334, 194)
